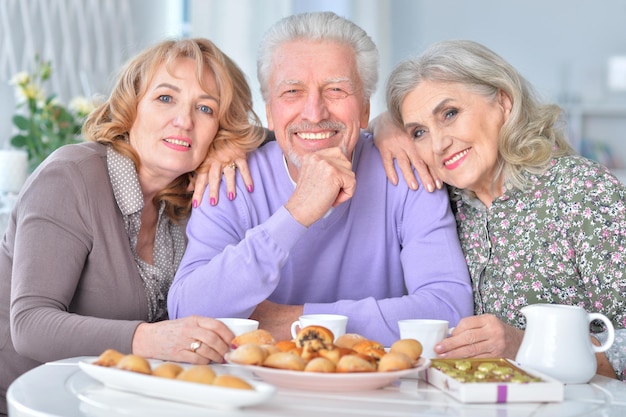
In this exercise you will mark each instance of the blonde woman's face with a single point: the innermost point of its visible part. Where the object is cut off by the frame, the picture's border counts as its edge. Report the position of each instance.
(456, 132)
(176, 122)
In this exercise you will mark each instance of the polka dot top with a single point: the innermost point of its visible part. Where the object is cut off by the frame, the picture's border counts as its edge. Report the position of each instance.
(169, 242)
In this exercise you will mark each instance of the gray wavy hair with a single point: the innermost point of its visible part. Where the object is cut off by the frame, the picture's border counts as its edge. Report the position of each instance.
(325, 26)
(532, 135)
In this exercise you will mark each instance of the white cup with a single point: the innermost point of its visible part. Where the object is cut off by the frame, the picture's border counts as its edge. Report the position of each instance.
(336, 323)
(240, 326)
(427, 332)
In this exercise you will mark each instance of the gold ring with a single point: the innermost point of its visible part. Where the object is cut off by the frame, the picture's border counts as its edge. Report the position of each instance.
(195, 346)
(231, 165)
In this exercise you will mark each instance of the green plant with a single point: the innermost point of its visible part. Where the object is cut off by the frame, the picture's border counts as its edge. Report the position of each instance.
(43, 123)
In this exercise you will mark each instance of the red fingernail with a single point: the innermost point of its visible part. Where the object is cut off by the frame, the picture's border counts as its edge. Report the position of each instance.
(212, 201)
(250, 188)
(195, 203)
(231, 196)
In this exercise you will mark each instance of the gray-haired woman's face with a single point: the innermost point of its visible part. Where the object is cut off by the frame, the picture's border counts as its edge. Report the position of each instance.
(456, 131)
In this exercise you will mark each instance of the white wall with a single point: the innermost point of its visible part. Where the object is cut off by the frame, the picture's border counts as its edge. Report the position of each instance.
(561, 46)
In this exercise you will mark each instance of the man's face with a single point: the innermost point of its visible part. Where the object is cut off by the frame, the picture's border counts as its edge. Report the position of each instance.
(315, 99)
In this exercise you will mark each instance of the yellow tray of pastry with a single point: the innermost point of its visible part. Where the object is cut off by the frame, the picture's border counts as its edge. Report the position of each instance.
(492, 380)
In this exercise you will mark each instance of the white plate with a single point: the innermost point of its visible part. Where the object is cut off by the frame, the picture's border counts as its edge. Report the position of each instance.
(179, 391)
(316, 381)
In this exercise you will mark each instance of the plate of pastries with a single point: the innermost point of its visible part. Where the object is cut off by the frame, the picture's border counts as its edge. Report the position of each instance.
(315, 361)
(201, 385)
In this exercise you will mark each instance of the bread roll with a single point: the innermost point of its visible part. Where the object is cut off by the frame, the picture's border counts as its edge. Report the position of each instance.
(167, 370)
(269, 349)
(370, 348)
(335, 353)
(134, 363)
(410, 347)
(231, 381)
(285, 360)
(286, 345)
(320, 364)
(201, 374)
(356, 363)
(348, 340)
(248, 354)
(109, 358)
(394, 361)
(258, 337)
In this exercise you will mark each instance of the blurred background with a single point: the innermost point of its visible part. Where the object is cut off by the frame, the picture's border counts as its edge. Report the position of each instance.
(573, 51)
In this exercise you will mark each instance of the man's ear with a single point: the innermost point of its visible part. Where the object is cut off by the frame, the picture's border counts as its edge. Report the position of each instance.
(365, 117)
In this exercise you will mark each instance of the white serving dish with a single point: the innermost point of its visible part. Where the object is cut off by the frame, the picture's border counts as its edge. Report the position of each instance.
(179, 391)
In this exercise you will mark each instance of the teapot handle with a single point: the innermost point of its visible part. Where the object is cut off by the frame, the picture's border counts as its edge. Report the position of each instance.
(609, 341)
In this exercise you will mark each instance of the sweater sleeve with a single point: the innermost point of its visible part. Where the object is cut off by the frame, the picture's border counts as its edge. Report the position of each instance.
(434, 272)
(52, 245)
(226, 261)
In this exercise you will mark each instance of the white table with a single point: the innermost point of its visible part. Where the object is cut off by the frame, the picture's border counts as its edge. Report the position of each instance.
(62, 389)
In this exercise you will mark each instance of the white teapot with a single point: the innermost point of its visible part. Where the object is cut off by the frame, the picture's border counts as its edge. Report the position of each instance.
(557, 342)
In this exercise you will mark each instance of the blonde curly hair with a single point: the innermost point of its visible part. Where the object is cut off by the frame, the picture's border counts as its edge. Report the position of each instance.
(239, 126)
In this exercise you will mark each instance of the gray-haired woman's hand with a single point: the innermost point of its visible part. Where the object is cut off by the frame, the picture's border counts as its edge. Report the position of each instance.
(393, 143)
(482, 336)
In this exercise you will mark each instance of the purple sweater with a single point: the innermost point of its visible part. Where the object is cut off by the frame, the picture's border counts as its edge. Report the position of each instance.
(387, 254)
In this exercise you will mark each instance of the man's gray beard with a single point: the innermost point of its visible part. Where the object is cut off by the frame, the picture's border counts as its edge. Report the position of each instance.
(292, 157)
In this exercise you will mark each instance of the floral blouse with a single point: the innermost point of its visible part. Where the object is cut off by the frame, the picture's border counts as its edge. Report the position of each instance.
(562, 241)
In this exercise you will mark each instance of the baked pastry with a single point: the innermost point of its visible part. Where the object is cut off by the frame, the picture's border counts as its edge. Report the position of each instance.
(394, 361)
(320, 364)
(231, 381)
(334, 353)
(134, 363)
(410, 347)
(286, 345)
(356, 363)
(348, 340)
(270, 348)
(109, 358)
(201, 374)
(167, 370)
(370, 348)
(258, 337)
(314, 338)
(248, 354)
(285, 360)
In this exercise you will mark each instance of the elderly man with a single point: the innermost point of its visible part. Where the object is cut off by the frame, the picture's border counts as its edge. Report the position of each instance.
(323, 231)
